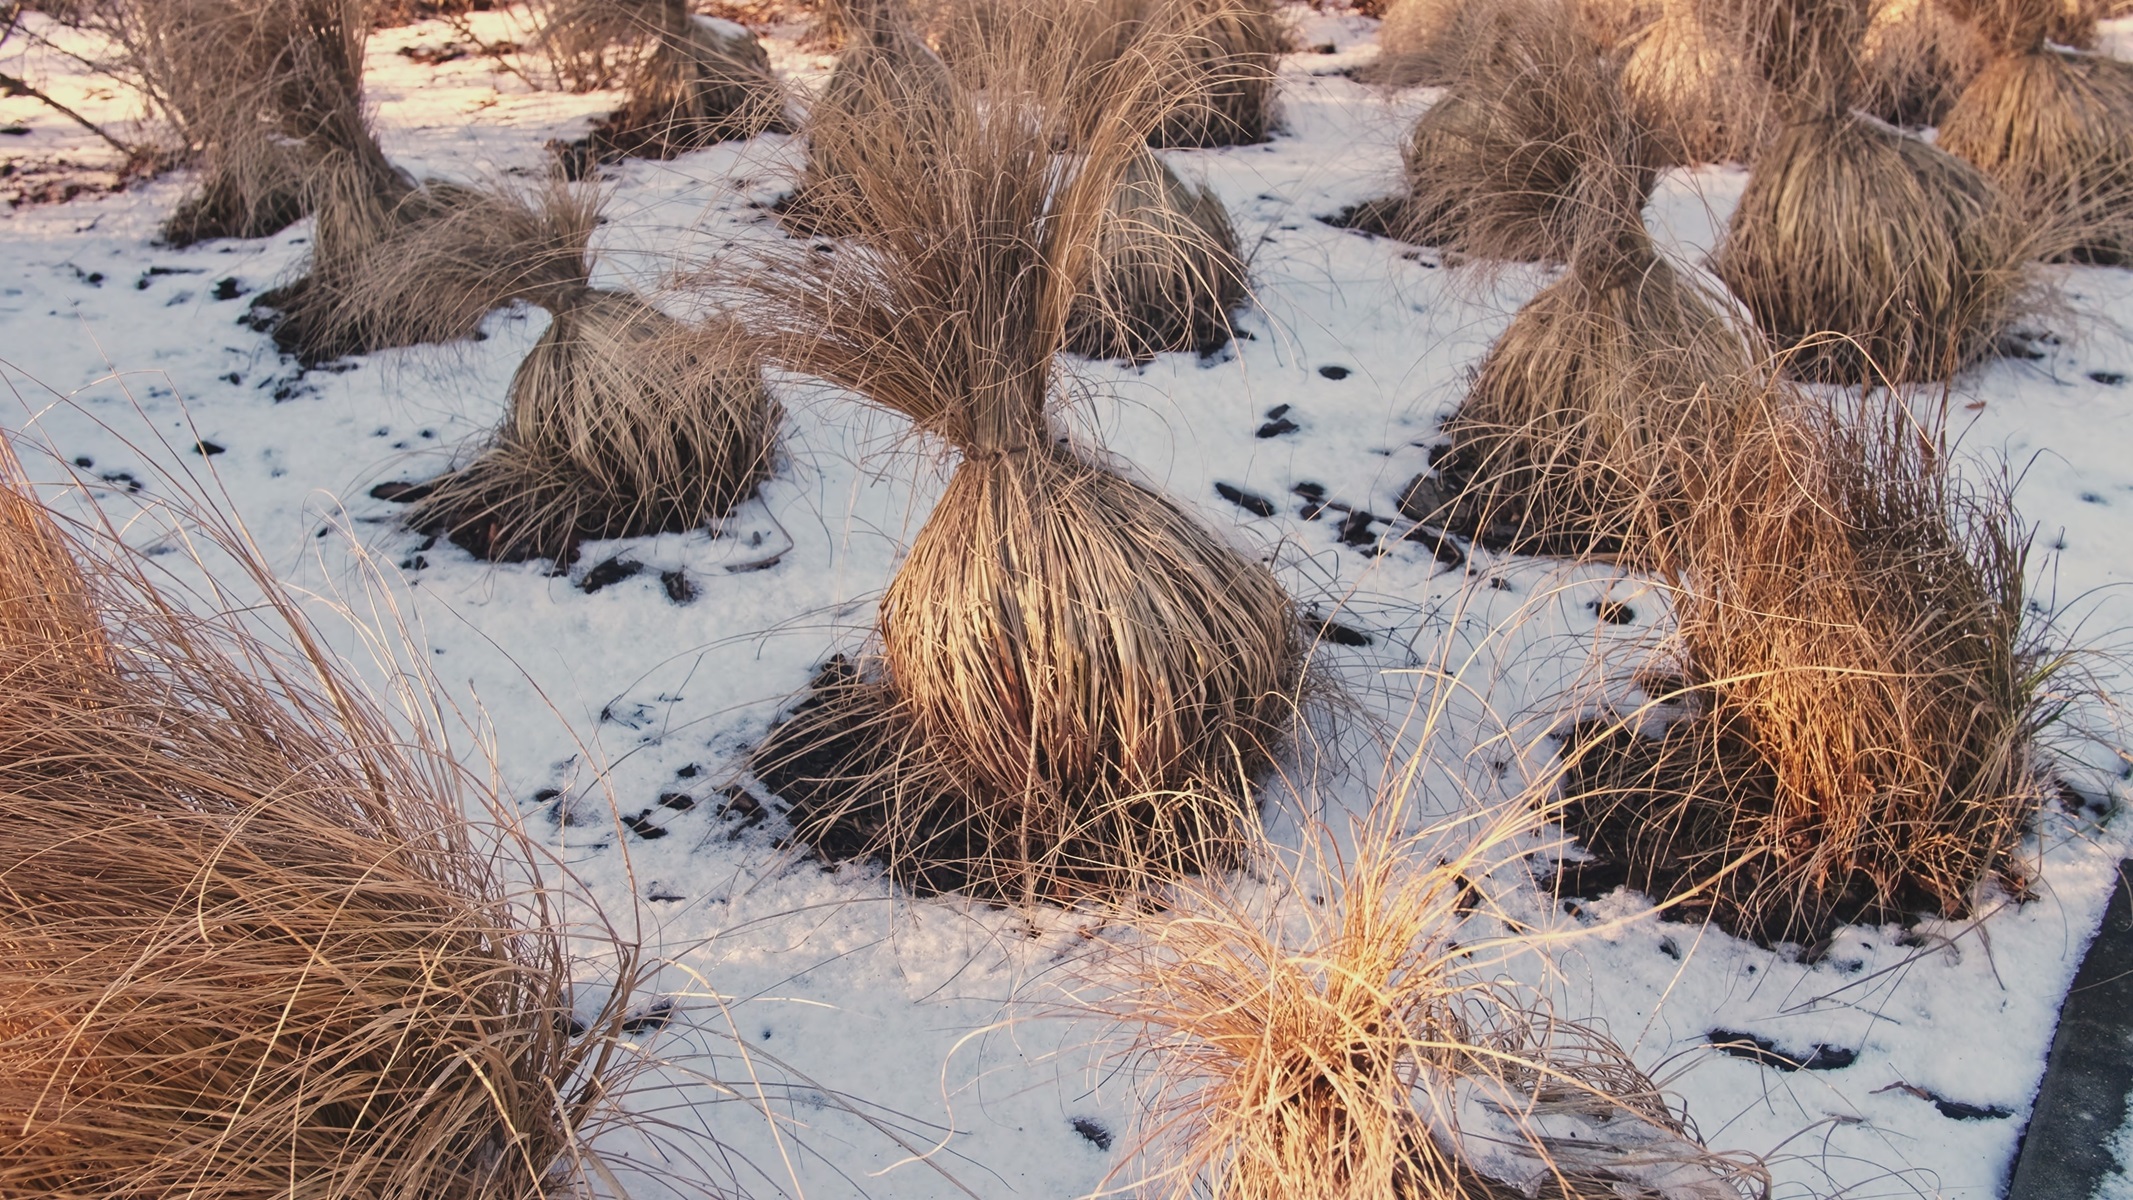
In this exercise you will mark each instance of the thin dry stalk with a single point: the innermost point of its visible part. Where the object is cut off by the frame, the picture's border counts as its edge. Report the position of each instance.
(1362, 1045)
(260, 90)
(1866, 684)
(1868, 253)
(1169, 270)
(1078, 680)
(246, 934)
(623, 422)
(397, 264)
(1905, 253)
(2054, 129)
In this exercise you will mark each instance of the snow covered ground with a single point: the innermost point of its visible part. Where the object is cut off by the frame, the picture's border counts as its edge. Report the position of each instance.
(907, 1048)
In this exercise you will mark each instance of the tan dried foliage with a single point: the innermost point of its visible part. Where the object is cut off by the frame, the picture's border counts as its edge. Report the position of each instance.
(1365, 1044)
(1873, 254)
(2055, 130)
(690, 81)
(1917, 59)
(1691, 85)
(248, 940)
(1068, 650)
(1866, 685)
(623, 422)
(1168, 272)
(1499, 167)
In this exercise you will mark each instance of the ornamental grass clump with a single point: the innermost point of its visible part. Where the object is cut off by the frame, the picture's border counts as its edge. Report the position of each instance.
(1076, 682)
(1168, 270)
(886, 69)
(689, 81)
(258, 90)
(2054, 128)
(1870, 253)
(1492, 170)
(249, 941)
(1583, 427)
(1370, 1043)
(1690, 84)
(1917, 58)
(1863, 681)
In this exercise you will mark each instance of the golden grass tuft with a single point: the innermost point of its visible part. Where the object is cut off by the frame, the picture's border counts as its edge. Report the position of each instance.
(2055, 130)
(1690, 84)
(1077, 678)
(886, 68)
(1432, 42)
(1226, 93)
(1497, 168)
(690, 81)
(1865, 686)
(1871, 254)
(1917, 59)
(248, 940)
(623, 422)
(1588, 419)
(1366, 1043)
(1168, 273)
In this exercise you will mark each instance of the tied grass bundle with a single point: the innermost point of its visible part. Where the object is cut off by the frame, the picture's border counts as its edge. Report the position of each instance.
(394, 263)
(886, 70)
(1168, 274)
(1869, 254)
(1865, 685)
(1493, 169)
(259, 90)
(1584, 426)
(248, 940)
(690, 81)
(1365, 1044)
(1918, 57)
(1690, 84)
(623, 422)
(2054, 129)
(1077, 681)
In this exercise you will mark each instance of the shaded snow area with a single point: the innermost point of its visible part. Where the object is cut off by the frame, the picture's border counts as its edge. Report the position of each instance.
(914, 1048)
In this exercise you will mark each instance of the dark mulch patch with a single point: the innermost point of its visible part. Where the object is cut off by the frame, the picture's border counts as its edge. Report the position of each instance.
(1658, 814)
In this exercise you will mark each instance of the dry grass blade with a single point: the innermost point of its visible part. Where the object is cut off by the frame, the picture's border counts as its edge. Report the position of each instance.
(1363, 1045)
(1432, 41)
(248, 940)
(1865, 679)
(624, 422)
(396, 264)
(1168, 274)
(1590, 417)
(1071, 651)
(1917, 59)
(258, 89)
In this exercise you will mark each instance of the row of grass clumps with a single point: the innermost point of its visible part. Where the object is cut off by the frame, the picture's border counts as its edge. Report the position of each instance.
(248, 934)
(1856, 684)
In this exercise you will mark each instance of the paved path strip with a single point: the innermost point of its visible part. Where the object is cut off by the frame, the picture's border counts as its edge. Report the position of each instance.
(2068, 1151)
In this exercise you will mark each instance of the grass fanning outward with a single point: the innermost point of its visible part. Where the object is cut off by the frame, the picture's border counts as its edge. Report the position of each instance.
(1077, 680)
(1368, 1044)
(248, 940)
